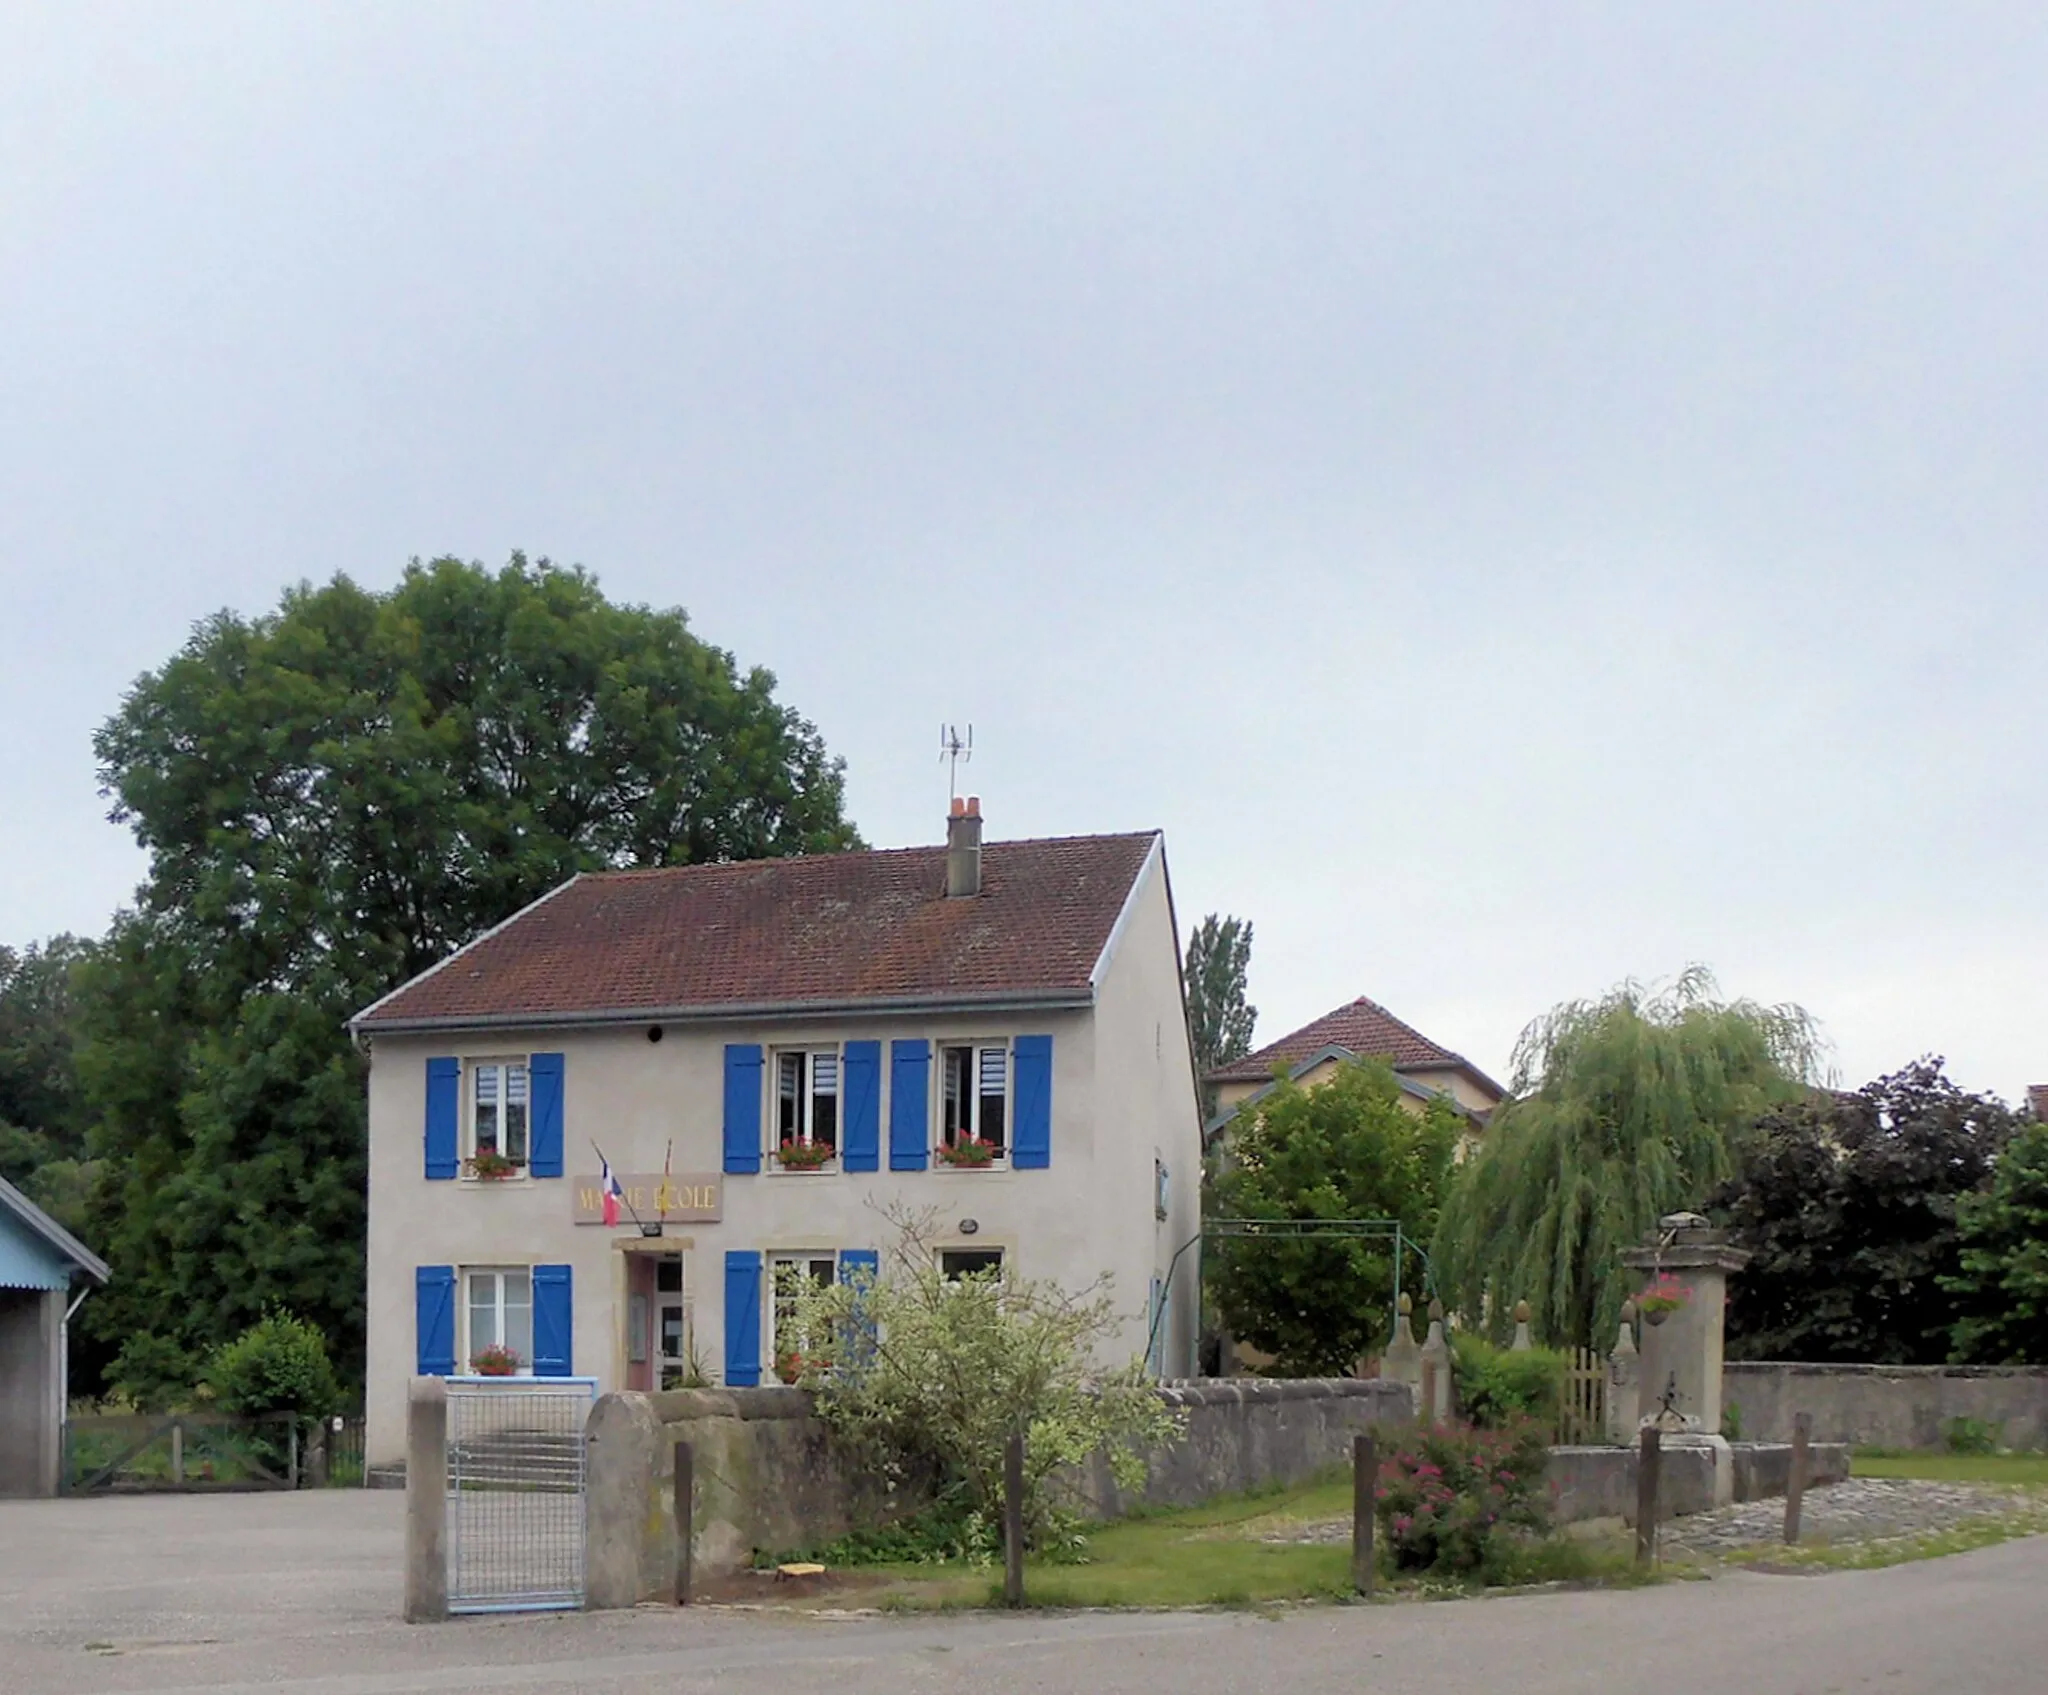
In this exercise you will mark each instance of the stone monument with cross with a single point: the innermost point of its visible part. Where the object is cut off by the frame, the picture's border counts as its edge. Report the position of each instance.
(1684, 1265)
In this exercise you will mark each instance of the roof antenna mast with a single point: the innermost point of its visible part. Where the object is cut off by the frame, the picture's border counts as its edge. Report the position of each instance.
(956, 753)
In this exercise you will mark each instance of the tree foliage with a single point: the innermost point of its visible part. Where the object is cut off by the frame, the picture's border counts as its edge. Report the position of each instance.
(2002, 1286)
(42, 1117)
(333, 797)
(1219, 954)
(922, 1375)
(1848, 1206)
(279, 1364)
(1620, 1110)
(1345, 1149)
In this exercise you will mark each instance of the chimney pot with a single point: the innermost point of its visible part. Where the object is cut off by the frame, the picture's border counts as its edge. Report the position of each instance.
(963, 849)
(974, 806)
(959, 807)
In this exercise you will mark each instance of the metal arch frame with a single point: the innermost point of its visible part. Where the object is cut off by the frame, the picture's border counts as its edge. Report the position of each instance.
(1295, 1230)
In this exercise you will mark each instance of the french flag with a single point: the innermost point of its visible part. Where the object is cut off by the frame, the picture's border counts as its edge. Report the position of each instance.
(608, 1186)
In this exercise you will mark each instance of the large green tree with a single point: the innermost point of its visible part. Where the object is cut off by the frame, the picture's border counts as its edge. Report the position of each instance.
(1346, 1150)
(2001, 1289)
(1219, 954)
(333, 796)
(1619, 1111)
(1847, 1203)
(42, 1115)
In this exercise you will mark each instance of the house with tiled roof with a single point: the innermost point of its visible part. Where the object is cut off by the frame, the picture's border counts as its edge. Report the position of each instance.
(1360, 1029)
(2037, 1098)
(769, 1059)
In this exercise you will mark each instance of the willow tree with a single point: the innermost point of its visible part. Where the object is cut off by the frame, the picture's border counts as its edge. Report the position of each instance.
(1619, 1111)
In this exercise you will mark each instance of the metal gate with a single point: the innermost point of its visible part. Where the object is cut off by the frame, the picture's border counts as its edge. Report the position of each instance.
(515, 1492)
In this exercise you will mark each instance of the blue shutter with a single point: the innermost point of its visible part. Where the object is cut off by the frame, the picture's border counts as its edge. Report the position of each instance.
(553, 1321)
(910, 1070)
(854, 1262)
(444, 1108)
(544, 1155)
(743, 1106)
(434, 1319)
(862, 1074)
(861, 1266)
(1031, 1139)
(742, 1319)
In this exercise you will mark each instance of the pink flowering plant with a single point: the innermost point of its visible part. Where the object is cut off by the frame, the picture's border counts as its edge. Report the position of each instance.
(1452, 1499)
(1662, 1297)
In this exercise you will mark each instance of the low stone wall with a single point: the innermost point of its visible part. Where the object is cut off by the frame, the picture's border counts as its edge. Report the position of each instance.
(1889, 1406)
(768, 1475)
(1601, 1482)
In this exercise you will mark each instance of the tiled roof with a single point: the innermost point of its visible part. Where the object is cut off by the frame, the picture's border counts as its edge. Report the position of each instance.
(1364, 1028)
(827, 929)
(2037, 1094)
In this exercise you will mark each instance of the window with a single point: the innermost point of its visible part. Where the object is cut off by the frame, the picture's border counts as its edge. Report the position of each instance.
(807, 1098)
(974, 1096)
(956, 1263)
(789, 1273)
(498, 1098)
(498, 1307)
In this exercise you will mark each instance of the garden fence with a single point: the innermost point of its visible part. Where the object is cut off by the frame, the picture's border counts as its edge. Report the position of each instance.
(1582, 1417)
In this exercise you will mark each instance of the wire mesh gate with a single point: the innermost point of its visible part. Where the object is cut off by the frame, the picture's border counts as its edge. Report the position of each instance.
(515, 1492)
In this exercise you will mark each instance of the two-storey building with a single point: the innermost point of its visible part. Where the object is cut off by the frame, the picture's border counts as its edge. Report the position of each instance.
(770, 1058)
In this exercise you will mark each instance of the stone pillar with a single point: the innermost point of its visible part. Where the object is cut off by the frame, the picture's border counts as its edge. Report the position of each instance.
(1436, 1360)
(1623, 1378)
(1681, 1353)
(1402, 1362)
(426, 1501)
(1523, 1342)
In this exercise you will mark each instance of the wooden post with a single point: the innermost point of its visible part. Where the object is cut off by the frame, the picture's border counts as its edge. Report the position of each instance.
(177, 1453)
(1649, 1462)
(1795, 1485)
(291, 1466)
(686, 1520)
(1365, 1469)
(1013, 1521)
(1427, 1410)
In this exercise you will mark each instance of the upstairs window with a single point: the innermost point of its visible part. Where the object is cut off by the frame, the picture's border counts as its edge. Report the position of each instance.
(807, 1098)
(499, 1096)
(974, 1096)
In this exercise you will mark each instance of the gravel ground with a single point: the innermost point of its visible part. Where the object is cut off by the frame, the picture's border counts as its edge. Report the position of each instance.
(1861, 1509)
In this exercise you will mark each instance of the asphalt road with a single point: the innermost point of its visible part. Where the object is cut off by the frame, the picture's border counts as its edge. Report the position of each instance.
(280, 1595)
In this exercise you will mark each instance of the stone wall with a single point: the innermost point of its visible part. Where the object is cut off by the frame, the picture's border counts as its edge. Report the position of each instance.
(1890, 1406)
(768, 1474)
(1601, 1482)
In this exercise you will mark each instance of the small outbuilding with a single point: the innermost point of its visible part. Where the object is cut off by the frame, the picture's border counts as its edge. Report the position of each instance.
(45, 1272)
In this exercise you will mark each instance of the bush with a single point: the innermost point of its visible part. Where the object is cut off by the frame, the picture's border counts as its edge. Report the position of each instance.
(153, 1374)
(1498, 1387)
(1970, 1436)
(1460, 1501)
(279, 1364)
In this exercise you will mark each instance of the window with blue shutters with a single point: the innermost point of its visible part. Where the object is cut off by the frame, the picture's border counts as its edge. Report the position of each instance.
(863, 1068)
(910, 1066)
(743, 1107)
(444, 1112)
(553, 1321)
(547, 1076)
(434, 1320)
(1031, 1106)
(742, 1319)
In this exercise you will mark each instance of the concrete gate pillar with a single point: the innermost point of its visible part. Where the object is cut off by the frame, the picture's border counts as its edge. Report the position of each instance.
(1680, 1364)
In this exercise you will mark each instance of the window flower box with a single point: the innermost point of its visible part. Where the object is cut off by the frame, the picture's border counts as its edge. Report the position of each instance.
(496, 1360)
(805, 1156)
(491, 1167)
(969, 1153)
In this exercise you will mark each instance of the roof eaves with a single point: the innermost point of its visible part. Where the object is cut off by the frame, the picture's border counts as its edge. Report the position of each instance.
(52, 1232)
(1000, 1000)
(1295, 1073)
(1153, 855)
(355, 1024)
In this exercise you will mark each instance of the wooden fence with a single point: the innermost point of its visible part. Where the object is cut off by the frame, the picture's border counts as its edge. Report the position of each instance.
(1582, 1417)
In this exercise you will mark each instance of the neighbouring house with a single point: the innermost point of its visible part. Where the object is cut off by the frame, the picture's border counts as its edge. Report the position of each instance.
(40, 1263)
(769, 1057)
(2037, 1098)
(1361, 1029)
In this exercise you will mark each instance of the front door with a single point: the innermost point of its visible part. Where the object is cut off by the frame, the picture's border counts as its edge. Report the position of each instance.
(671, 1322)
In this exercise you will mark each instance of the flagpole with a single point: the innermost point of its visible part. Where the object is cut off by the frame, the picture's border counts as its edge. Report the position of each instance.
(637, 1219)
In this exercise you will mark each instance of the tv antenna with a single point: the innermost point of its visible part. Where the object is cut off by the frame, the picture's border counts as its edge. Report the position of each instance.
(956, 753)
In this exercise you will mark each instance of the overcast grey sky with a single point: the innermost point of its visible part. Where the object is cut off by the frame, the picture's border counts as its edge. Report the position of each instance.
(1523, 494)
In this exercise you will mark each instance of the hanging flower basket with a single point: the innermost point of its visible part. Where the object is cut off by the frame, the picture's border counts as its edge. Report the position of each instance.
(1661, 1299)
(805, 1156)
(968, 1154)
(495, 1361)
(493, 1167)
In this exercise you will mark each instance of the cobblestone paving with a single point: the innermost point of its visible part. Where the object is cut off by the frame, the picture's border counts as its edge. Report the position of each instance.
(1862, 1509)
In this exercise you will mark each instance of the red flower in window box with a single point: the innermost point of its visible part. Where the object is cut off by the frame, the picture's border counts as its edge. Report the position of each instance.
(491, 1166)
(970, 1153)
(495, 1361)
(805, 1156)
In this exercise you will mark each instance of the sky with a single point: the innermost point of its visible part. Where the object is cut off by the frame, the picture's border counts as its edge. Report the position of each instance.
(1524, 495)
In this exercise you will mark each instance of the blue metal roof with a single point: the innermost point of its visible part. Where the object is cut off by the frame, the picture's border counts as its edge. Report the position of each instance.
(36, 1252)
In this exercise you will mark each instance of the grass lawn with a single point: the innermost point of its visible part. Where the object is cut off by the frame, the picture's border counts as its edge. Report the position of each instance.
(2027, 1470)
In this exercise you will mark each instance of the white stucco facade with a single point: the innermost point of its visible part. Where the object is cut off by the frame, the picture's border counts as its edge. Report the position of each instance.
(1122, 1098)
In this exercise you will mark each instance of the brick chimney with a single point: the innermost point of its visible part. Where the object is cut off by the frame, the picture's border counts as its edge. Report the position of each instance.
(963, 847)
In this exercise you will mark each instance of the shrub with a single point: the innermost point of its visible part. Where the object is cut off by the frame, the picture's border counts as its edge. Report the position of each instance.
(1454, 1503)
(1970, 1436)
(153, 1374)
(279, 1364)
(1498, 1386)
(925, 1376)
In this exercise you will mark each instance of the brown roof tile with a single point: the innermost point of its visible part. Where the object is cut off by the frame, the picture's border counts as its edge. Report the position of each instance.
(1362, 1027)
(827, 929)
